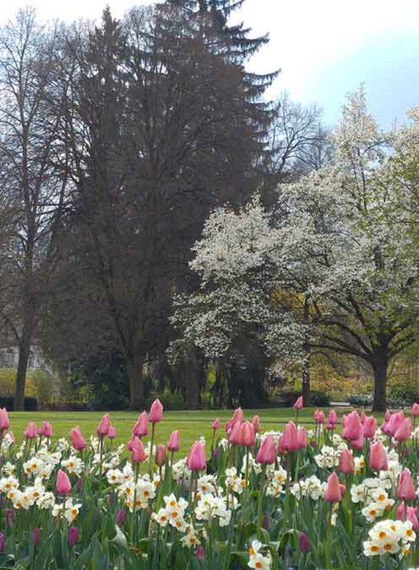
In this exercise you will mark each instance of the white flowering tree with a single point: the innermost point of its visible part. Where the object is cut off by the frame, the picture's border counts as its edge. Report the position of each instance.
(332, 268)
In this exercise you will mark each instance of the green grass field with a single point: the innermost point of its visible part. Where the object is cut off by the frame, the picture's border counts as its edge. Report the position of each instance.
(191, 424)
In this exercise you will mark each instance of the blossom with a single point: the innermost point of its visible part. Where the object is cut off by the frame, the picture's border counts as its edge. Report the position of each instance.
(156, 412)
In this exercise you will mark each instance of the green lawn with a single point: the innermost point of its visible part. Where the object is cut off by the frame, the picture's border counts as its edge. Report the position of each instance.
(191, 424)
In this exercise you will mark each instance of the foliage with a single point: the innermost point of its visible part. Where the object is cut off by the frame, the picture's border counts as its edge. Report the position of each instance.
(30, 403)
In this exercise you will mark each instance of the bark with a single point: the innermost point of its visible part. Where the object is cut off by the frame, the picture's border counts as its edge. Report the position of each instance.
(22, 367)
(307, 351)
(136, 383)
(380, 367)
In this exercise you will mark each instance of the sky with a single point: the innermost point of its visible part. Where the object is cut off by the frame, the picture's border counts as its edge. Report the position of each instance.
(324, 48)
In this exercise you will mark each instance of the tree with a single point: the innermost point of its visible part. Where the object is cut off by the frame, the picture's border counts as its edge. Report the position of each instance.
(326, 270)
(28, 56)
(160, 130)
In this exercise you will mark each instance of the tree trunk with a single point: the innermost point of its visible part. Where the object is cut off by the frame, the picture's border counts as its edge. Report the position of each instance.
(380, 366)
(22, 368)
(306, 381)
(306, 388)
(136, 383)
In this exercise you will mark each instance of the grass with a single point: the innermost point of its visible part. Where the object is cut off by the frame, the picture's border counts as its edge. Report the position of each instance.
(191, 423)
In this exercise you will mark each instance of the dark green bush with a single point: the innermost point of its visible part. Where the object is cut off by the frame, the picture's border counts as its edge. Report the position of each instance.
(30, 404)
(320, 399)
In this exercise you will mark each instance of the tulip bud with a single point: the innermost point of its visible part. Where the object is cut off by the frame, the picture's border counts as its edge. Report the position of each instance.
(121, 515)
(30, 431)
(156, 412)
(138, 454)
(346, 462)
(370, 426)
(77, 439)
(160, 457)
(196, 460)
(256, 423)
(112, 432)
(216, 424)
(404, 430)
(299, 403)
(4, 420)
(246, 434)
(63, 483)
(415, 410)
(73, 535)
(378, 457)
(304, 543)
(103, 427)
(267, 452)
(334, 491)
(173, 444)
(46, 429)
(36, 535)
(406, 488)
(141, 425)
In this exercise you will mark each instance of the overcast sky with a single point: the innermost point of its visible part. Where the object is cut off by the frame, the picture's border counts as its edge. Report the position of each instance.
(324, 48)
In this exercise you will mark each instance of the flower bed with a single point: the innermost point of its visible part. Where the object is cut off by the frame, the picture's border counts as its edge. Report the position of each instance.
(301, 499)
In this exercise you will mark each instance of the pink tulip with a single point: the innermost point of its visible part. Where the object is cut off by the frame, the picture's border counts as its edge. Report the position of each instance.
(358, 443)
(247, 434)
(332, 418)
(415, 410)
(30, 431)
(302, 437)
(319, 416)
(256, 424)
(216, 424)
(334, 491)
(353, 429)
(138, 454)
(238, 416)
(370, 426)
(378, 457)
(174, 441)
(156, 412)
(45, 429)
(131, 443)
(234, 435)
(395, 422)
(363, 416)
(103, 427)
(4, 420)
(406, 489)
(290, 438)
(160, 457)
(267, 452)
(141, 425)
(77, 440)
(63, 483)
(196, 460)
(299, 403)
(387, 416)
(112, 432)
(405, 512)
(346, 462)
(404, 430)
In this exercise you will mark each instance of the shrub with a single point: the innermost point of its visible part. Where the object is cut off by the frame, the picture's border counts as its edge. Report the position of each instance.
(320, 399)
(30, 404)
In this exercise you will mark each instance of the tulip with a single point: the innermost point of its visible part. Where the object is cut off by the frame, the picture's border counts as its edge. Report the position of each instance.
(404, 430)
(334, 491)
(319, 416)
(173, 444)
(63, 483)
(36, 535)
(2, 541)
(45, 429)
(370, 426)
(290, 438)
(196, 460)
(73, 535)
(77, 439)
(247, 434)
(10, 517)
(141, 425)
(346, 462)
(121, 515)
(103, 427)
(395, 422)
(332, 418)
(358, 443)
(256, 423)
(4, 420)
(138, 454)
(378, 457)
(160, 457)
(238, 416)
(199, 552)
(234, 435)
(131, 443)
(156, 412)
(363, 417)
(30, 431)
(353, 430)
(406, 489)
(405, 512)
(112, 432)
(216, 424)
(415, 411)
(304, 543)
(387, 416)
(302, 437)
(299, 403)
(267, 452)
